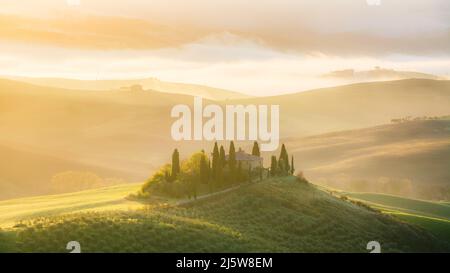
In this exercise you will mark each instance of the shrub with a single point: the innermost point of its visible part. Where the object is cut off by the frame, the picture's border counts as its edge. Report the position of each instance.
(301, 178)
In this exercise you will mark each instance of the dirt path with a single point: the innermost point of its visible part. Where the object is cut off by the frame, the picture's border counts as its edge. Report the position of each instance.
(206, 196)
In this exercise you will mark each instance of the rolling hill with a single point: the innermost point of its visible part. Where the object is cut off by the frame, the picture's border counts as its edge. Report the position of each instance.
(206, 92)
(439, 210)
(40, 168)
(410, 158)
(379, 74)
(46, 131)
(126, 134)
(276, 215)
(357, 105)
(432, 216)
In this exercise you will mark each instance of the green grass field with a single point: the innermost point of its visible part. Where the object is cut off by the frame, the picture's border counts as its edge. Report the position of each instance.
(276, 215)
(433, 216)
(110, 198)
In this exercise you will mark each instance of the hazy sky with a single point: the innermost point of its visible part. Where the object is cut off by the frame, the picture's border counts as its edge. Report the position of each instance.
(258, 47)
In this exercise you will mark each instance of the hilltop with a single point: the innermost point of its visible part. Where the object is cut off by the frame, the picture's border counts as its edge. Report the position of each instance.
(276, 215)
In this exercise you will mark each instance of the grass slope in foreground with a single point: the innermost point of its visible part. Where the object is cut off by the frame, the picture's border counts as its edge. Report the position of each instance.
(108, 198)
(276, 215)
(432, 216)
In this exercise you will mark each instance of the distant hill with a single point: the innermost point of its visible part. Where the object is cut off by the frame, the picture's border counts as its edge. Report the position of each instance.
(127, 133)
(46, 130)
(410, 158)
(25, 171)
(357, 105)
(276, 215)
(206, 92)
(379, 74)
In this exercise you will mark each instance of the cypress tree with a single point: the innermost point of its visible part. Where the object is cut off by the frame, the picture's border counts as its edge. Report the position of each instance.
(175, 164)
(216, 157)
(215, 164)
(210, 176)
(282, 167)
(222, 156)
(232, 162)
(203, 169)
(255, 150)
(273, 166)
(284, 156)
(292, 165)
(222, 162)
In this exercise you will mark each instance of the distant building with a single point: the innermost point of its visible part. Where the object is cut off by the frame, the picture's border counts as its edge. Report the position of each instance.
(247, 160)
(133, 88)
(136, 88)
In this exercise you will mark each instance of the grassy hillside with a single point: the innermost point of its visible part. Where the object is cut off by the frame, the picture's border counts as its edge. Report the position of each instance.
(414, 206)
(109, 198)
(432, 216)
(414, 155)
(277, 215)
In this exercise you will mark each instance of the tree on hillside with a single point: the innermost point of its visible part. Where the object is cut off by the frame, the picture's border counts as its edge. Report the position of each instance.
(175, 164)
(232, 162)
(191, 173)
(282, 167)
(255, 150)
(215, 159)
(216, 165)
(273, 166)
(203, 169)
(167, 176)
(209, 172)
(210, 176)
(292, 165)
(222, 163)
(222, 156)
(284, 158)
